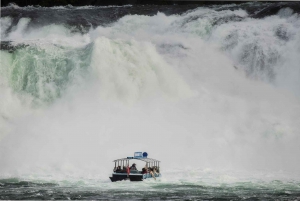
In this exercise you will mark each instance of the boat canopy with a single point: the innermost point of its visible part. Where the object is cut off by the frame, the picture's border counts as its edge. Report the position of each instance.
(147, 160)
(137, 156)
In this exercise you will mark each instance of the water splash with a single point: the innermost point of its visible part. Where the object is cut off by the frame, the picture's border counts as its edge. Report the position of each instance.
(164, 84)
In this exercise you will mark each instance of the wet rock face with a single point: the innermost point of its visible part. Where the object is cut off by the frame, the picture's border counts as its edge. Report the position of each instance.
(83, 19)
(5, 45)
(49, 3)
(273, 9)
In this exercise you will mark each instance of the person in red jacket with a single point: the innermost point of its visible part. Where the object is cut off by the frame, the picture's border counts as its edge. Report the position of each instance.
(128, 171)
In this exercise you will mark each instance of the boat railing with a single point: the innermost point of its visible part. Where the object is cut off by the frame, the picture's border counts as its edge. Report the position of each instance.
(148, 175)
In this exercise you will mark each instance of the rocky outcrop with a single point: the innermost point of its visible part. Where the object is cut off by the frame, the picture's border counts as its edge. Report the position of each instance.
(273, 9)
(49, 3)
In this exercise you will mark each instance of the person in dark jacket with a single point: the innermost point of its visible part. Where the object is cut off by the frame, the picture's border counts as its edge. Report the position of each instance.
(144, 170)
(118, 169)
(133, 167)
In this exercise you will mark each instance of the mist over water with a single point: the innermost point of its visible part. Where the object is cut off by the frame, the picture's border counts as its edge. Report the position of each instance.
(213, 93)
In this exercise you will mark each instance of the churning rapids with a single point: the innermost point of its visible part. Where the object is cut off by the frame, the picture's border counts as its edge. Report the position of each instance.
(213, 92)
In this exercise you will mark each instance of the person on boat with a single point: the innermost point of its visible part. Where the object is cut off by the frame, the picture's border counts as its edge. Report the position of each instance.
(133, 167)
(151, 172)
(144, 170)
(155, 171)
(118, 169)
(128, 170)
(124, 169)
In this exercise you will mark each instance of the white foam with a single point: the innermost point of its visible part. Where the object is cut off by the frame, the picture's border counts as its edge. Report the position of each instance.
(5, 24)
(129, 71)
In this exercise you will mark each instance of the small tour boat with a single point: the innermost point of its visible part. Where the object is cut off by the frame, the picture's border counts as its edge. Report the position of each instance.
(123, 171)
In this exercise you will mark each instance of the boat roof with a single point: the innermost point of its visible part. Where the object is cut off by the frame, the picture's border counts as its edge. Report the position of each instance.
(147, 160)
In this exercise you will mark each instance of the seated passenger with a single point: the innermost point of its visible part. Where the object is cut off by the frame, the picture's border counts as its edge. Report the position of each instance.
(133, 167)
(124, 169)
(118, 169)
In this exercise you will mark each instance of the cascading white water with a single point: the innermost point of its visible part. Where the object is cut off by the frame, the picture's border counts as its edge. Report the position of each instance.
(190, 93)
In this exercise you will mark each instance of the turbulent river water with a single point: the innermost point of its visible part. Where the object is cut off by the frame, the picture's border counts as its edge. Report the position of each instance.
(212, 92)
